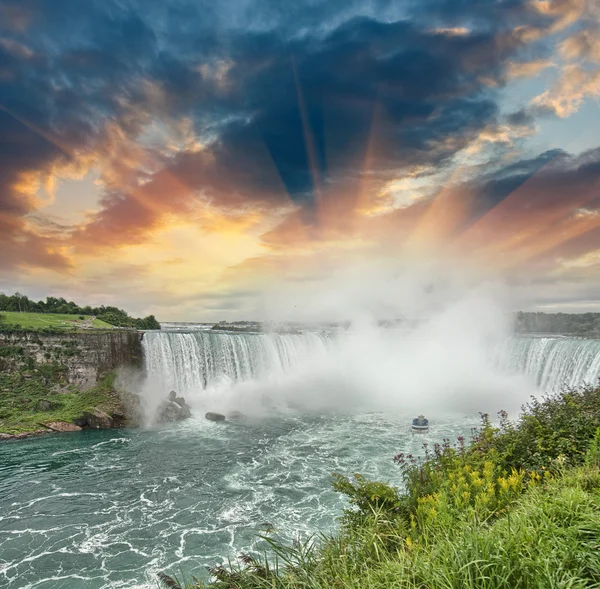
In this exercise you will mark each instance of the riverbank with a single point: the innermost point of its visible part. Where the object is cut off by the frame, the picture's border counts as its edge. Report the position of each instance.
(29, 405)
(516, 506)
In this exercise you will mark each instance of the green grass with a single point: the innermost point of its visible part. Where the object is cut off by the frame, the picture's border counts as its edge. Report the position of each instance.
(50, 320)
(22, 393)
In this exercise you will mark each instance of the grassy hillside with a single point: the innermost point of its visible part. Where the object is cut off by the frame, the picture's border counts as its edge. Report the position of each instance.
(52, 320)
(516, 506)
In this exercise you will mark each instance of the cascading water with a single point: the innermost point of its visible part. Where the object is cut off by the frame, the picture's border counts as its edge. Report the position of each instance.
(189, 362)
(554, 362)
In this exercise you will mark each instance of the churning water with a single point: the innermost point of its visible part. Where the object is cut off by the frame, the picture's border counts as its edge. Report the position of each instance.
(112, 508)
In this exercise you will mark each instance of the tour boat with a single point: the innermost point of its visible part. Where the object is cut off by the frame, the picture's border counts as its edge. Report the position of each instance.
(420, 424)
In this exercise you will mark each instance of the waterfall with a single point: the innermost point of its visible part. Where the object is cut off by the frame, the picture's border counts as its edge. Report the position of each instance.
(188, 362)
(553, 362)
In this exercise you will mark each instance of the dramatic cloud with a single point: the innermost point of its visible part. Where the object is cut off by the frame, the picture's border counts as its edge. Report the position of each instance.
(331, 129)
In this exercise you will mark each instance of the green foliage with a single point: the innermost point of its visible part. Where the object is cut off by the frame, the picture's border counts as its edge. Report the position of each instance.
(21, 395)
(549, 538)
(592, 457)
(368, 496)
(19, 304)
(560, 425)
(11, 352)
(563, 323)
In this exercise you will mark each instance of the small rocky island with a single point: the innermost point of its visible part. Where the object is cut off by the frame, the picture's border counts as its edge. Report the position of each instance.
(173, 409)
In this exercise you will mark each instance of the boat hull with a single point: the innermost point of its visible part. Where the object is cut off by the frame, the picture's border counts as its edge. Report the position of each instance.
(420, 428)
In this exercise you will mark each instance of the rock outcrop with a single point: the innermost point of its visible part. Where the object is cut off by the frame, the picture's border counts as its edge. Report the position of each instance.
(45, 405)
(62, 426)
(98, 419)
(130, 412)
(174, 409)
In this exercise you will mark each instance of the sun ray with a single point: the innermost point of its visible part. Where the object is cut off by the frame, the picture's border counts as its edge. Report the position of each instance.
(308, 140)
(447, 212)
(49, 137)
(515, 217)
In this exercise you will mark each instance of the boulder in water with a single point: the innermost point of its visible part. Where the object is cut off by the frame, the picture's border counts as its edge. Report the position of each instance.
(172, 411)
(98, 419)
(180, 401)
(212, 416)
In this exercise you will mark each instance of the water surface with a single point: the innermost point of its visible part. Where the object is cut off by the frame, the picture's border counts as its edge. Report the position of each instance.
(112, 508)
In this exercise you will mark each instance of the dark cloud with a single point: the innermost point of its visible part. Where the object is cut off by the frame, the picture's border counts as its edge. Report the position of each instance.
(287, 98)
(539, 211)
(493, 188)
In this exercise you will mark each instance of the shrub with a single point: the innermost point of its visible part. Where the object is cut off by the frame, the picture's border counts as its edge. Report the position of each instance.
(592, 457)
(557, 425)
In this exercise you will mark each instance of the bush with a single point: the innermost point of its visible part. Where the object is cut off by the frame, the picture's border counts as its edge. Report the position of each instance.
(560, 425)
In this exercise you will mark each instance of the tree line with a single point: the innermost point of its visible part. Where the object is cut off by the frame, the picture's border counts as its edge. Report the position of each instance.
(559, 323)
(112, 315)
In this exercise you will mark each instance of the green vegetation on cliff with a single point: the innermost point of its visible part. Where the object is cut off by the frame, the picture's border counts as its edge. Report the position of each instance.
(28, 400)
(516, 506)
(64, 381)
(65, 311)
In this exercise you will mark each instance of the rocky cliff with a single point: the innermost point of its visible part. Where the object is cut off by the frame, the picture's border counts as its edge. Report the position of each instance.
(65, 382)
(84, 358)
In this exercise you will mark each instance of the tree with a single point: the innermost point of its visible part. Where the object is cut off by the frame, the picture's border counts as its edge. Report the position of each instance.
(18, 297)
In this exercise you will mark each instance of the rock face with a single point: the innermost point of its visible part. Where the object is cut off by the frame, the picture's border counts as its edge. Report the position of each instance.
(86, 357)
(130, 412)
(174, 409)
(98, 419)
(62, 426)
(212, 416)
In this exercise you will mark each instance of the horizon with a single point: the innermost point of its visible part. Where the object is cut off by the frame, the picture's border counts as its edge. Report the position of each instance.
(195, 161)
(398, 317)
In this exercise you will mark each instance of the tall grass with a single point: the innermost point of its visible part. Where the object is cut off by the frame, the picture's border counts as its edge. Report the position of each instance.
(516, 507)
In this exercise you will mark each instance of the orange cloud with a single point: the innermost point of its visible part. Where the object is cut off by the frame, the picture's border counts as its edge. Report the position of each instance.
(574, 85)
(527, 69)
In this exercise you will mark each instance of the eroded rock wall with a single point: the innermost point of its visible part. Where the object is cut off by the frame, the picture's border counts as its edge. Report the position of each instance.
(85, 356)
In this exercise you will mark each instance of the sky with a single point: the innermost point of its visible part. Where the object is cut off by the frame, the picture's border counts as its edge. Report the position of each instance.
(199, 160)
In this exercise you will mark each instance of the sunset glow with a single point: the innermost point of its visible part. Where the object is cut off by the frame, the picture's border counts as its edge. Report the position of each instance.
(183, 162)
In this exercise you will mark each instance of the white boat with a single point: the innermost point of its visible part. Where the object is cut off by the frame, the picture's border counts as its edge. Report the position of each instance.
(420, 424)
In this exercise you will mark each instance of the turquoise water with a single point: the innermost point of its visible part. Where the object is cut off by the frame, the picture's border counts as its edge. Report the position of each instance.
(112, 508)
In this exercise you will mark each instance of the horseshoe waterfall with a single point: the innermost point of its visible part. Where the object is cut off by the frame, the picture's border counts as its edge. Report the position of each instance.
(192, 361)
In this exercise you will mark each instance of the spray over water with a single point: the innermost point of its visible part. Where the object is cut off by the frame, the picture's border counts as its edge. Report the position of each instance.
(442, 358)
